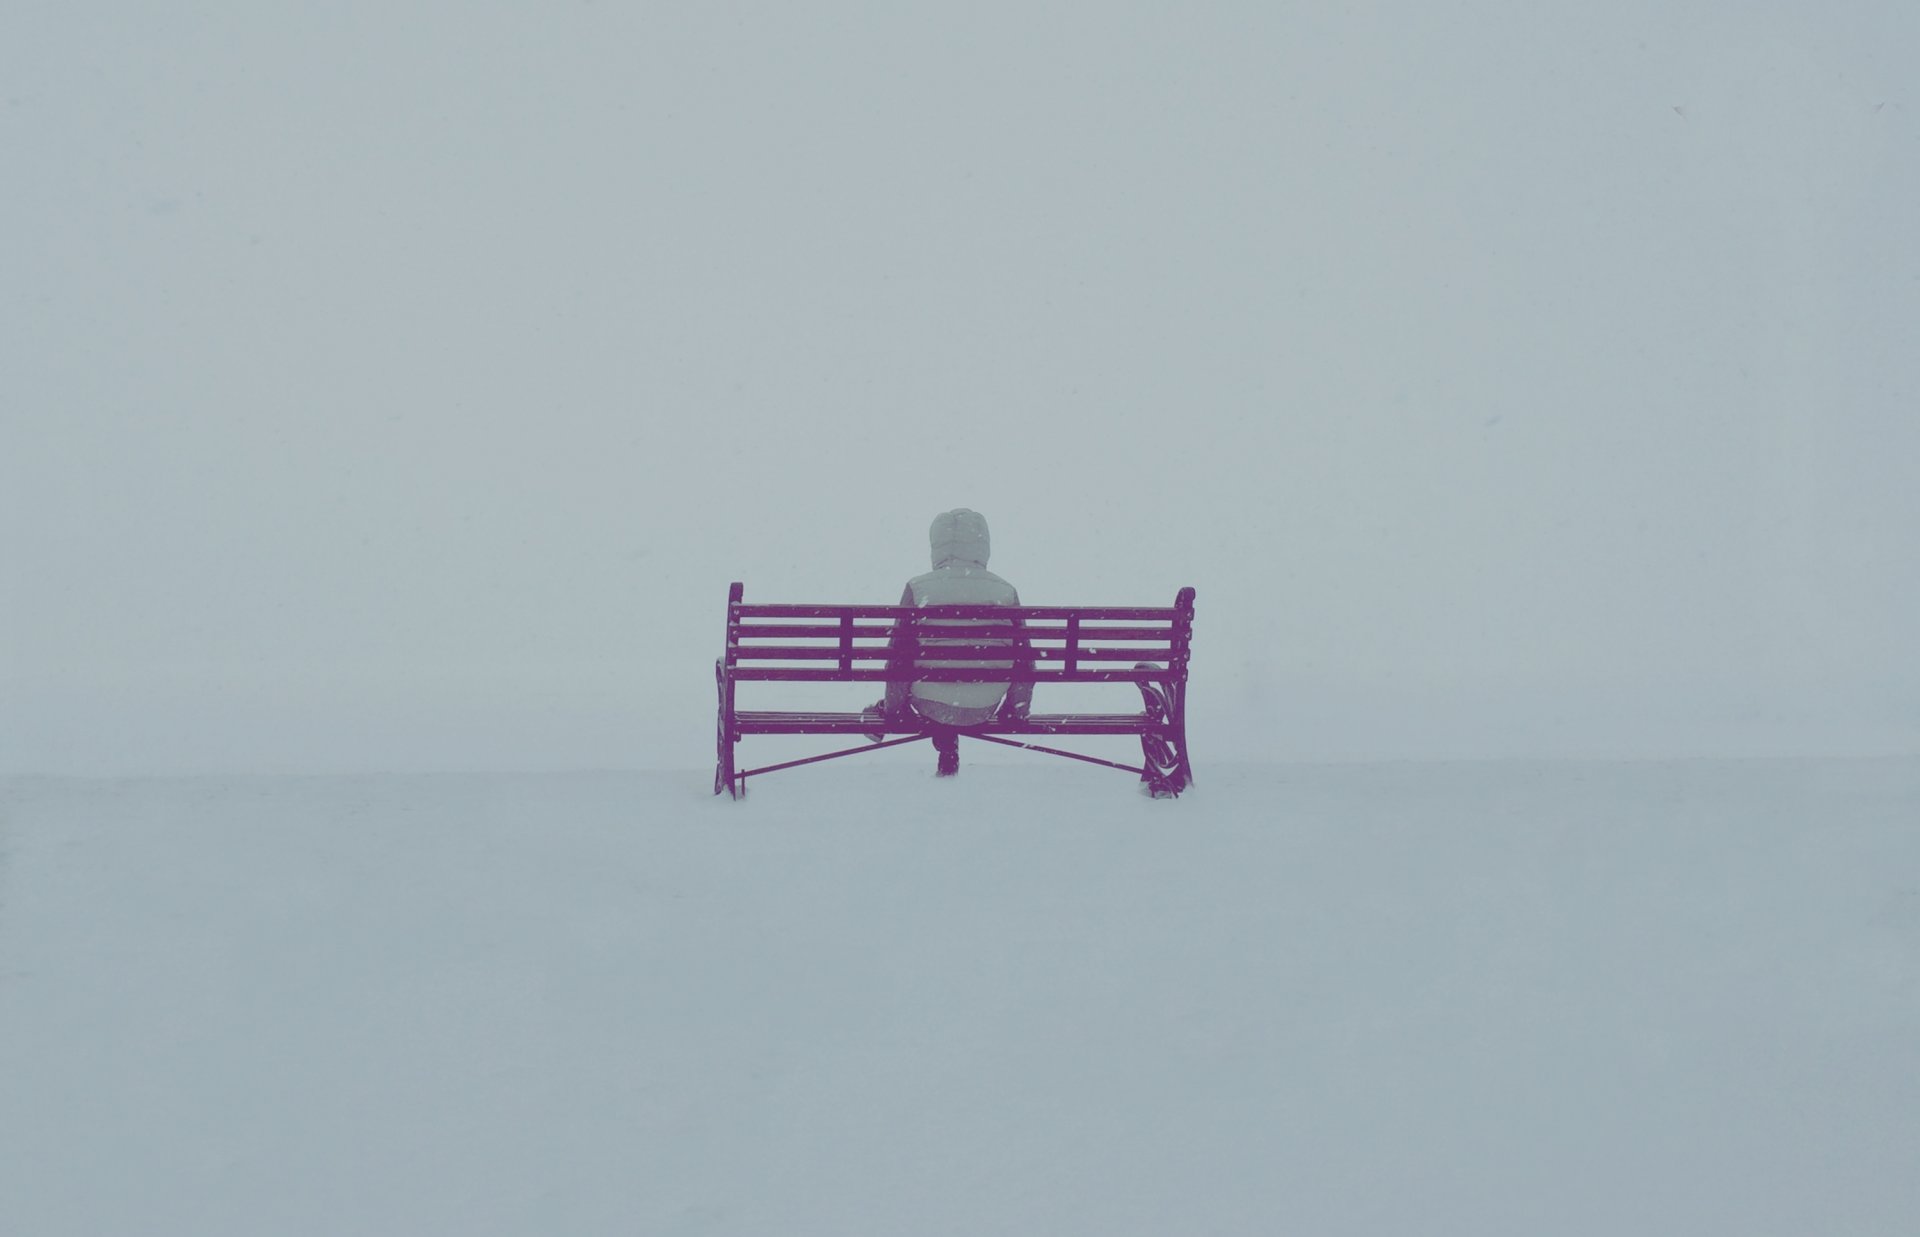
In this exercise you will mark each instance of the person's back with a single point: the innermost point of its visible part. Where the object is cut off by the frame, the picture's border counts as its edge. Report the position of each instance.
(960, 545)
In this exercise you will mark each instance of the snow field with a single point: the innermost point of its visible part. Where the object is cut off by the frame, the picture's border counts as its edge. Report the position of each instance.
(1474, 999)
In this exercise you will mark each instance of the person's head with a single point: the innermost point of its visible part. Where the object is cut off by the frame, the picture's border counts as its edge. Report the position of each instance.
(959, 538)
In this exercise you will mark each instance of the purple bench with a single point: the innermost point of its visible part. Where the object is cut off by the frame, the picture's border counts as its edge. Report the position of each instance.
(782, 643)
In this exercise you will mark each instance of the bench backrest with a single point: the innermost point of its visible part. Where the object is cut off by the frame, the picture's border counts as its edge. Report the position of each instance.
(1054, 644)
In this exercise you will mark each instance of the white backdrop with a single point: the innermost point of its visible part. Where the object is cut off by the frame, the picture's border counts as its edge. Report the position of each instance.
(401, 389)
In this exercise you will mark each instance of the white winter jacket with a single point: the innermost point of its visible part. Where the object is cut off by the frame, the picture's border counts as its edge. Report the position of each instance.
(960, 545)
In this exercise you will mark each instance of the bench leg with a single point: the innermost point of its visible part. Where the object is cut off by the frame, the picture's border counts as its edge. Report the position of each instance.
(723, 737)
(1163, 744)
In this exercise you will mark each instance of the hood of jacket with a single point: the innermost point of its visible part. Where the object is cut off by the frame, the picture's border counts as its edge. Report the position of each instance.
(959, 539)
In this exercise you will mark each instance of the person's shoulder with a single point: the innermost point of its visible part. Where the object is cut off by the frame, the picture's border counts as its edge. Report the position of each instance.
(958, 573)
(941, 579)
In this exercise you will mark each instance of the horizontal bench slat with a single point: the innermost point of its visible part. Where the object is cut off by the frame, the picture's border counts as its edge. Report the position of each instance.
(775, 722)
(809, 631)
(745, 610)
(882, 631)
(826, 652)
(808, 674)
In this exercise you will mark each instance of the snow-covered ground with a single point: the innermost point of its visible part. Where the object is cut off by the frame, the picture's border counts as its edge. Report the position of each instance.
(1476, 999)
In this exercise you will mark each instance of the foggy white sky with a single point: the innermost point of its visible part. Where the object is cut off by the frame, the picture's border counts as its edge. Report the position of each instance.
(401, 389)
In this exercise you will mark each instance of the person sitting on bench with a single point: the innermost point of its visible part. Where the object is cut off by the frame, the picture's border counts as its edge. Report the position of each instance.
(959, 577)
